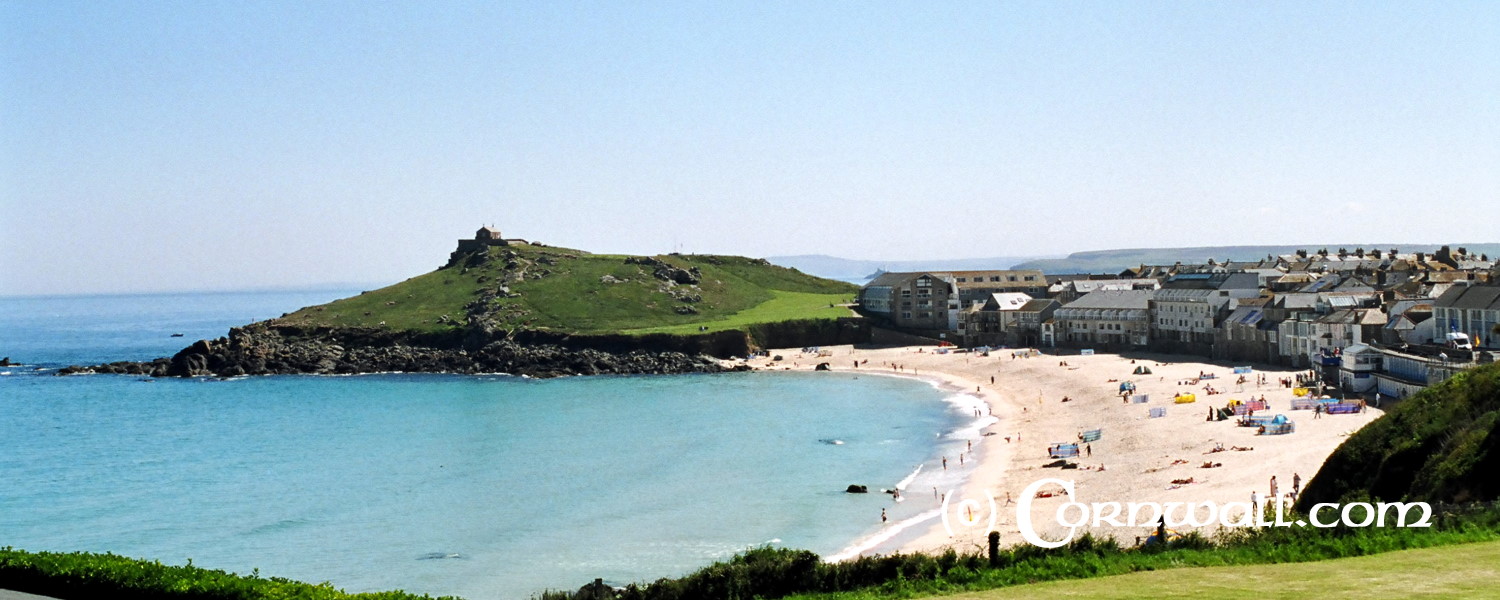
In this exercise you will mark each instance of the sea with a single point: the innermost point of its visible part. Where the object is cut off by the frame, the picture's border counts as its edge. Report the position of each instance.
(479, 486)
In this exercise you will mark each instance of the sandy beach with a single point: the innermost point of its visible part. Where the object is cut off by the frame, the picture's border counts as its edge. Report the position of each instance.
(1136, 458)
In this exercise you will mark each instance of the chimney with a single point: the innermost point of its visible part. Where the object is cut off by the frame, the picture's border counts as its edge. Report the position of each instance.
(1301, 254)
(1360, 252)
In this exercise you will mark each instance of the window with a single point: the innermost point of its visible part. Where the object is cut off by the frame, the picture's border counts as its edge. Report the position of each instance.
(924, 315)
(906, 315)
(1028, 278)
(994, 278)
(924, 282)
(963, 280)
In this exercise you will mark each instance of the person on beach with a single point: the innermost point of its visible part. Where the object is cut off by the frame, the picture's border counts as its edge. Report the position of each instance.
(1089, 449)
(1296, 485)
(1254, 502)
(1318, 411)
(1377, 396)
(883, 518)
(1274, 496)
(945, 463)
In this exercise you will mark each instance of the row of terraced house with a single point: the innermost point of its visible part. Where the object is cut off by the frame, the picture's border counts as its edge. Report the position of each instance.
(1400, 320)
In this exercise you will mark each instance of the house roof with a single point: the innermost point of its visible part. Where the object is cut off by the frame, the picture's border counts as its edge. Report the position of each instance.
(1296, 300)
(1481, 297)
(895, 279)
(1212, 281)
(1245, 315)
(1037, 305)
(1113, 299)
(1006, 301)
(1372, 316)
(1345, 317)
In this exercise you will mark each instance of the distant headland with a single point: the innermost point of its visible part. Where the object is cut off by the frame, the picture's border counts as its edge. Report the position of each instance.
(507, 305)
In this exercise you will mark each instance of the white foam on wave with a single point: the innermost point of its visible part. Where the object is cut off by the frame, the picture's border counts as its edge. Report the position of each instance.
(864, 545)
(901, 485)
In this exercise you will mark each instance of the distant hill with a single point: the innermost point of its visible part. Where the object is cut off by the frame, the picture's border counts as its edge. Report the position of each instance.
(1114, 261)
(1440, 445)
(1093, 261)
(859, 271)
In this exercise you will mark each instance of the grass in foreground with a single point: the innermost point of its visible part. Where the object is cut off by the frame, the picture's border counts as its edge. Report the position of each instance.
(1469, 548)
(782, 573)
(73, 575)
(1460, 571)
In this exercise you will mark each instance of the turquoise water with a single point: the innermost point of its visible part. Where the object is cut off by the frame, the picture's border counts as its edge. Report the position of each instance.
(485, 487)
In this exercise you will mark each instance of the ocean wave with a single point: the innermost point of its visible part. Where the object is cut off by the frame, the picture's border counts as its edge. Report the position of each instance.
(884, 535)
(901, 485)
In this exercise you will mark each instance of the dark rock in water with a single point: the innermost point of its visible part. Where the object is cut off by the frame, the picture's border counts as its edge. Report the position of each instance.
(5, 362)
(857, 489)
(176, 335)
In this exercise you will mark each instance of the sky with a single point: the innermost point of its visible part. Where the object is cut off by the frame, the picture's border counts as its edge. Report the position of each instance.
(203, 145)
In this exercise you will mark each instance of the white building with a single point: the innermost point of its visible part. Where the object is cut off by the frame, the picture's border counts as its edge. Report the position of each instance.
(1110, 318)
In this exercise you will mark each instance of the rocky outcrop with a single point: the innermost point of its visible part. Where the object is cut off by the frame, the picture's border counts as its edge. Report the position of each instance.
(664, 271)
(264, 350)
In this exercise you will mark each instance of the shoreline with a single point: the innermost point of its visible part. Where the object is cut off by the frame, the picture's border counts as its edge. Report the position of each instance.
(1147, 458)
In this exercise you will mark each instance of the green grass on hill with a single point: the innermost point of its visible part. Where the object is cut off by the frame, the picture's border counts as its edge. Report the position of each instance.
(1462, 571)
(1442, 444)
(559, 289)
(783, 306)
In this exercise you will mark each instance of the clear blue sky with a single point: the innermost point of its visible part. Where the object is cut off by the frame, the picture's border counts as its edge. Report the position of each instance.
(201, 145)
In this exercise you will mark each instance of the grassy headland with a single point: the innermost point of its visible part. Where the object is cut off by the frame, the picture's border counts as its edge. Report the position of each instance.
(557, 289)
(1442, 444)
